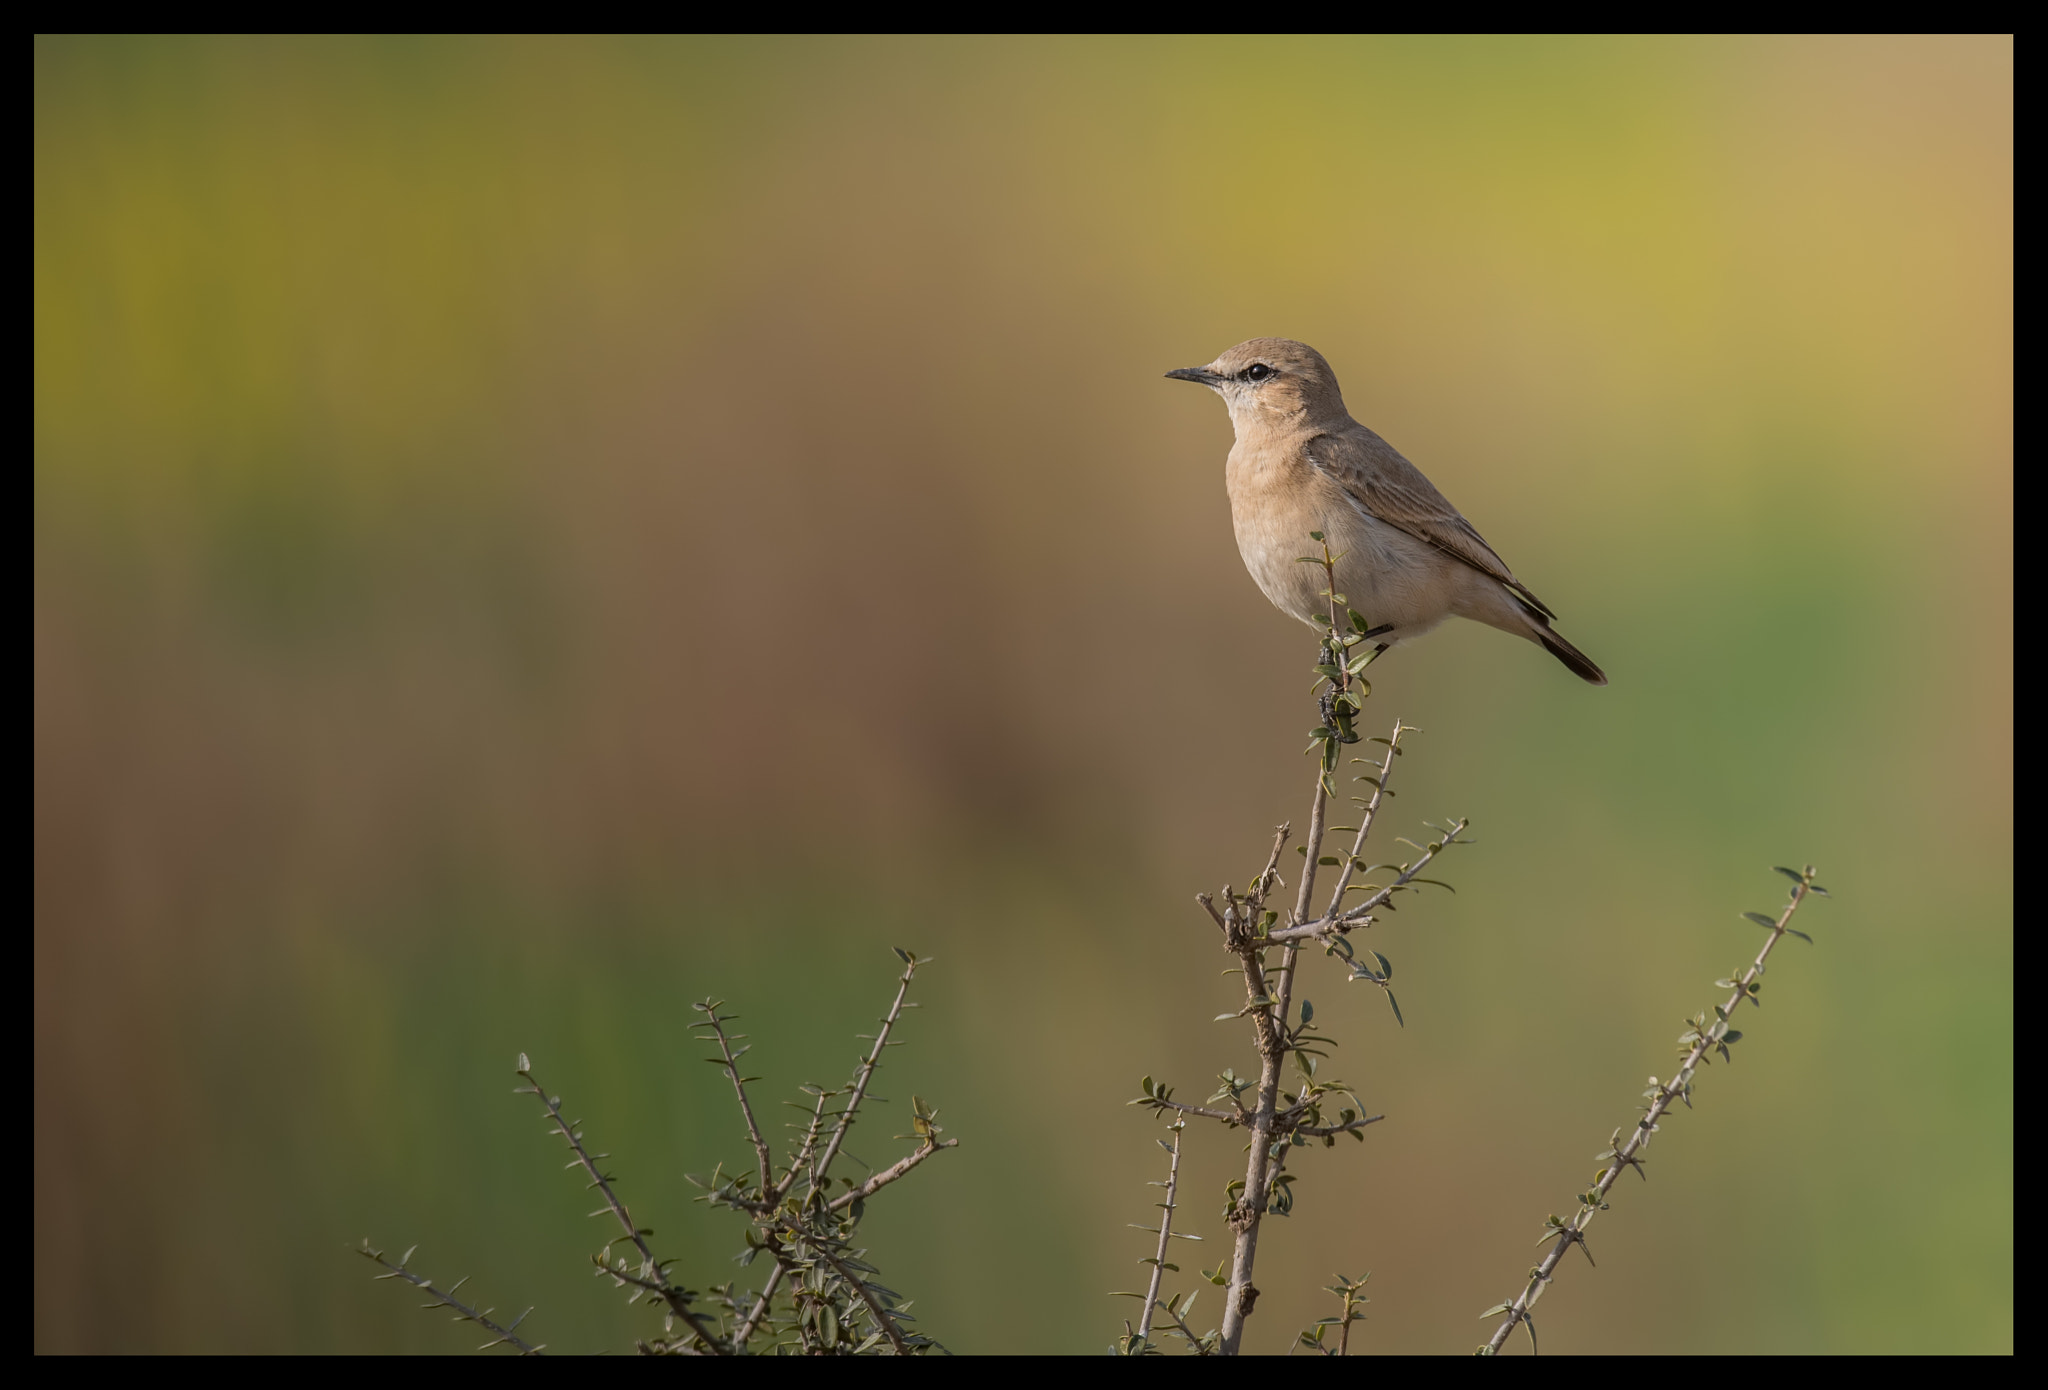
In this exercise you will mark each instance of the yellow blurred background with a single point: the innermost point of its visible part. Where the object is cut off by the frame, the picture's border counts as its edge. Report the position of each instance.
(530, 534)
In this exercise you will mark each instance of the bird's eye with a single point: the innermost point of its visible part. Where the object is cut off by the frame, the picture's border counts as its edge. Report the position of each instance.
(1258, 371)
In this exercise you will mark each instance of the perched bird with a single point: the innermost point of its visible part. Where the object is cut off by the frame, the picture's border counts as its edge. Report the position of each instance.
(1407, 559)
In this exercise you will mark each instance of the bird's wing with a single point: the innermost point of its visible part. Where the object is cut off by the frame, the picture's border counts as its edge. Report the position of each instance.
(1392, 489)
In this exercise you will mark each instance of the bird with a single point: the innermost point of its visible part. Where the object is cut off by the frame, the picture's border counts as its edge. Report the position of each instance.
(1405, 557)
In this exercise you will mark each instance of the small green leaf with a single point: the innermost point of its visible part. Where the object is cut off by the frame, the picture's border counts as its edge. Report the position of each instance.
(1792, 874)
(1757, 917)
(1308, 1011)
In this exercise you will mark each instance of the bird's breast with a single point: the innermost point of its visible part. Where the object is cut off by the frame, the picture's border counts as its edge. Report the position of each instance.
(1277, 498)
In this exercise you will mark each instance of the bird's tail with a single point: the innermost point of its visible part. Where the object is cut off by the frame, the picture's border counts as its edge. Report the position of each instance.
(1575, 660)
(1538, 620)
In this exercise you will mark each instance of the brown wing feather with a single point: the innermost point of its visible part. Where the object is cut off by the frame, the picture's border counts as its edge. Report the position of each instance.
(1394, 490)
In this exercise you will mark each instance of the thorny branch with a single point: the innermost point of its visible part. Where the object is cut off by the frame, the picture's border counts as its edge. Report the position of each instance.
(1166, 1209)
(1349, 1126)
(760, 1308)
(866, 1296)
(1241, 1118)
(812, 1130)
(1701, 1038)
(1250, 930)
(1360, 915)
(1177, 1315)
(730, 1060)
(888, 1175)
(829, 1294)
(866, 1074)
(652, 1276)
(1367, 815)
(500, 1336)
(1351, 1292)
(808, 1233)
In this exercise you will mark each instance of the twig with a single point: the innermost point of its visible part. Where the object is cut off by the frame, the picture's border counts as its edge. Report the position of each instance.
(1165, 1235)
(867, 1071)
(1709, 1038)
(1239, 1294)
(1270, 875)
(753, 1319)
(888, 1175)
(501, 1336)
(731, 1063)
(670, 1295)
(881, 1315)
(1324, 1131)
(1242, 1117)
(1348, 1290)
(812, 1129)
(1372, 808)
(1313, 846)
(1180, 1325)
(1354, 916)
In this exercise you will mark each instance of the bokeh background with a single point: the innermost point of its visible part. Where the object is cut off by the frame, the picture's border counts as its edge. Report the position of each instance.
(530, 534)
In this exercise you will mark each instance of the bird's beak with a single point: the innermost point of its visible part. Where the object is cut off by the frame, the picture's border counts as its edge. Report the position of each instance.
(1201, 375)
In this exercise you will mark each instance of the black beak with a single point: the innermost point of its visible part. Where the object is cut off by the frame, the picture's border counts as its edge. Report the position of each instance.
(1200, 375)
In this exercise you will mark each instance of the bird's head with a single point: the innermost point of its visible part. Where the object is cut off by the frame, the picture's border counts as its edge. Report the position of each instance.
(1272, 383)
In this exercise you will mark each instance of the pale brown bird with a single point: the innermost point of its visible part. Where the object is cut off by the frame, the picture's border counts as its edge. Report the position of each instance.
(1302, 464)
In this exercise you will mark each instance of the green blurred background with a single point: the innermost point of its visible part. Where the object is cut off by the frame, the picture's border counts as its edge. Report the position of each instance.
(533, 533)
